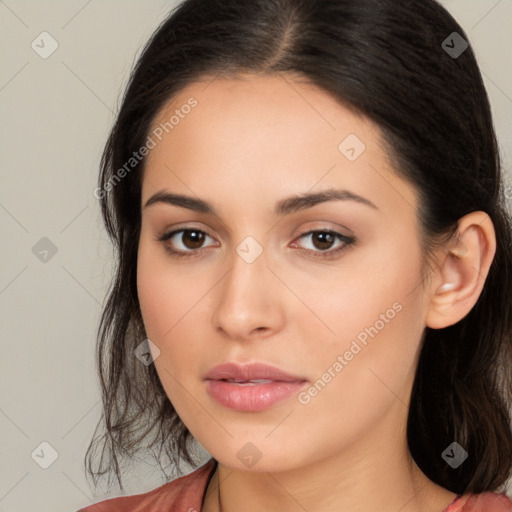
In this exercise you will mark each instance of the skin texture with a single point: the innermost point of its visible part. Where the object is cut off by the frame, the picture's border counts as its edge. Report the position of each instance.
(248, 144)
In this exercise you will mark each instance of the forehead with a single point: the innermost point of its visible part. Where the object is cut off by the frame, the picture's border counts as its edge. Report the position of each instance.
(264, 104)
(265, 133)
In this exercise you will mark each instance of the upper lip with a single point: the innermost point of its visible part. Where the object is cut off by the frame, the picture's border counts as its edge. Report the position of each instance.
(252, 371)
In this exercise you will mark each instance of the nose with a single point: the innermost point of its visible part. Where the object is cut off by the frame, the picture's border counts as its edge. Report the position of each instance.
(248, 301)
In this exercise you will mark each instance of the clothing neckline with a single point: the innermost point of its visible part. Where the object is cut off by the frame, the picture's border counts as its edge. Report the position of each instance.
(214, 464)
(460, 501)
(454, 502)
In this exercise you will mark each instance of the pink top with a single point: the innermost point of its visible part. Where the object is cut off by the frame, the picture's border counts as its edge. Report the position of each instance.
(186, 494)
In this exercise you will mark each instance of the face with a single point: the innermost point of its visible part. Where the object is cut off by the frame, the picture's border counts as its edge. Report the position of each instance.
(327, 290)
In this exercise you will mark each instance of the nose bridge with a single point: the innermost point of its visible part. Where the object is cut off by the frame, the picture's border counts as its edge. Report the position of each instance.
(246, 301)
(246, 279)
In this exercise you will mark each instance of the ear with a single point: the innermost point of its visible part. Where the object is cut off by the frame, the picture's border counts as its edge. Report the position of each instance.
(462, 268)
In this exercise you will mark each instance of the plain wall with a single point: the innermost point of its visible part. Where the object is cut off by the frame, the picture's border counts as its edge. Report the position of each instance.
(55, 116)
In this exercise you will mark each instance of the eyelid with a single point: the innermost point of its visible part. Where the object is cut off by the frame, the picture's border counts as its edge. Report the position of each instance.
(329, 226)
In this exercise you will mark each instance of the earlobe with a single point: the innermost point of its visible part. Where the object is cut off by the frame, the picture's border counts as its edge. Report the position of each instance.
(463, 266)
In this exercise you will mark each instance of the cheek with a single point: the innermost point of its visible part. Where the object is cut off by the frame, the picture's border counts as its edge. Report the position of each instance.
(377, 315)
(165, 300)
(375, 292)
(173, 301)
(372, 311)
(155, 296)
(165, 295)
(366, 370)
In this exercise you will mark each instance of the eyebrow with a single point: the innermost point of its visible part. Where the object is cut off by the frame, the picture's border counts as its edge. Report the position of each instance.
(285, 206)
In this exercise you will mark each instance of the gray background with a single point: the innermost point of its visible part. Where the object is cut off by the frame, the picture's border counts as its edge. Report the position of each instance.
(55, 116)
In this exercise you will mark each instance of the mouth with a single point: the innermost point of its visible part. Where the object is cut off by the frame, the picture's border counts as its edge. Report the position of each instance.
(251, 388)
(252, 382)
(254, 372)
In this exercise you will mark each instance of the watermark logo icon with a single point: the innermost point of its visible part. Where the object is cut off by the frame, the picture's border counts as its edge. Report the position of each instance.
(44, 45)
(454, 455)
(147, 352)
(249, 249)
(44, 455)
(249, 454)
(455, 45)
(352, 147)
(44, 250)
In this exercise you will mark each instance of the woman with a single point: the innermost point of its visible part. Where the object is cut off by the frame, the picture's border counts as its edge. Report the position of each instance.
(314, 263)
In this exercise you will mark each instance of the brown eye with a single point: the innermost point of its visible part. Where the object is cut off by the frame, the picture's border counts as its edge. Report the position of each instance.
(192, 239)
(323, 240)
(323, 243)
(186, 242)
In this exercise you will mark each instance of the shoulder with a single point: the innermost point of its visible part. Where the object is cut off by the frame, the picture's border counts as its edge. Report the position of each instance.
(484, 502)
(184, 494)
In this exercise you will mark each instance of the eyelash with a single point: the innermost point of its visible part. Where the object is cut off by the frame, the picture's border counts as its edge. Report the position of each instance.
(325, 255)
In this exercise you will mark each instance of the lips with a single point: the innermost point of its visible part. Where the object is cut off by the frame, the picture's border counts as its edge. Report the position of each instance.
(251, 388)
(250, 373)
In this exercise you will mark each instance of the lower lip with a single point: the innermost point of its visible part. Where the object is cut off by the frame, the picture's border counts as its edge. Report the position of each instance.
(253, 397)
